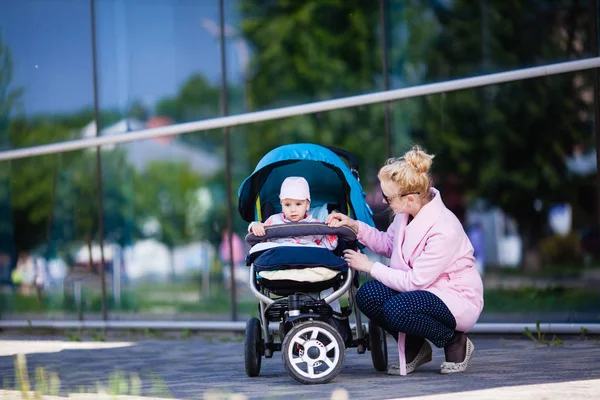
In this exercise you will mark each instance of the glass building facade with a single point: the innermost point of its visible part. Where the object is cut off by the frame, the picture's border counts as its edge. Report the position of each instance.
(138, 230)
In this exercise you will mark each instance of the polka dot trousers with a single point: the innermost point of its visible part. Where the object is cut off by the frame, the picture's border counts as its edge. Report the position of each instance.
(419, 313)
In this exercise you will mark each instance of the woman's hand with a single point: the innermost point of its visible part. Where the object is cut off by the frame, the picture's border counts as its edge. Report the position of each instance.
(358, 261)
(335, 220)
(258, 229)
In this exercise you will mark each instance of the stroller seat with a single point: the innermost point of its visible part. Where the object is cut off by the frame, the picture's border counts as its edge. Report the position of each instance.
(290, 269)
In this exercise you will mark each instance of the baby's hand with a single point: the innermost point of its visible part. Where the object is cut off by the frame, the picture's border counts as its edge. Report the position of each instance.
(258, 229)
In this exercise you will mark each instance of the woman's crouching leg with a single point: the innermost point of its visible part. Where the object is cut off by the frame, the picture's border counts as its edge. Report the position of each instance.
(370, 298)
(421, 313)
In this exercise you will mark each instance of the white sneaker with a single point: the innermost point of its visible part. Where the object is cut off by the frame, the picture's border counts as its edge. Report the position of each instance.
(423, 357)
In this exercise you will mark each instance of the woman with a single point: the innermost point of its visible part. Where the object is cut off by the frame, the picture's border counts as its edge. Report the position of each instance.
(431, 289)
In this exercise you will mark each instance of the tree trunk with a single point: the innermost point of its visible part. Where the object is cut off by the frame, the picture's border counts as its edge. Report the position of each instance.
(90, 259)
(172, 262)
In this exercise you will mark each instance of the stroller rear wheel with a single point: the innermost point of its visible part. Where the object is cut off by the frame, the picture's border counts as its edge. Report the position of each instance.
(313, 352)
(253, 347)
(378, 346)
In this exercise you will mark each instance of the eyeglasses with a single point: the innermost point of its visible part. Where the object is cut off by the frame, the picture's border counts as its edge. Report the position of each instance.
(389, 199)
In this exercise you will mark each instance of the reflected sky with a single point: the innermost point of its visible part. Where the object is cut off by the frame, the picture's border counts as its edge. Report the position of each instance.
(145, 50)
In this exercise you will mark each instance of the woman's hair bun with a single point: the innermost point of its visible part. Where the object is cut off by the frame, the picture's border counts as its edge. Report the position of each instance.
(419, 159)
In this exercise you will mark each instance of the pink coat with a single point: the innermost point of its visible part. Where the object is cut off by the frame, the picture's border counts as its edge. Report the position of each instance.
(431, 253)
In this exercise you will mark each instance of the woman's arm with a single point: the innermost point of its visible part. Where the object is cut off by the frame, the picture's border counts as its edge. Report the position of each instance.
(380, 242)
(437, 255)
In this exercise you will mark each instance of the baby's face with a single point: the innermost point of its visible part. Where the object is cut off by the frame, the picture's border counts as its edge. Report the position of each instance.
(294, 210)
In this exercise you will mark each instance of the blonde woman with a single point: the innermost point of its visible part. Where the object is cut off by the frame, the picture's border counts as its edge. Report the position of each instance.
(431, 289)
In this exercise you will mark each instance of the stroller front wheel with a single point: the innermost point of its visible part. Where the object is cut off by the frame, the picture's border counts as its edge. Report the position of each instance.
(253, 347)
(313, 352)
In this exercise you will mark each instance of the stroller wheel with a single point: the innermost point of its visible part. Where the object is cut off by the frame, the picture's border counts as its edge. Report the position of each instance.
(313, 352)
(253, 347)
(378, 346)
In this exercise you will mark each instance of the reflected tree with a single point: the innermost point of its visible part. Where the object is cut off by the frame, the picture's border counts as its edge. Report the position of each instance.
(165, 193)
(197, 99)
(508, 143)
(8, 101)
(309, 51)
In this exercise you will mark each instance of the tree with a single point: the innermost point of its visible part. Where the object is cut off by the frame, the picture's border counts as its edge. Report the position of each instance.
(8, 97)
(309, 51)
(138, 111)
(32, 183)
(8, 100)
(508, 142)
(197, 99)
(164, 193)
(55, 197)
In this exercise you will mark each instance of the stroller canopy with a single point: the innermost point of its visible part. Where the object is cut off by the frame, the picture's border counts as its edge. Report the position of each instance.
(331, 181)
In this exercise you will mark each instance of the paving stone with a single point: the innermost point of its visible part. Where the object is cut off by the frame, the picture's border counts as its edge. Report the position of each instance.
(194, 367)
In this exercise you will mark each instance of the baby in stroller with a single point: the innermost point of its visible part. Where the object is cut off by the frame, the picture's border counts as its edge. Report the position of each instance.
(296, 271)
(295, 204)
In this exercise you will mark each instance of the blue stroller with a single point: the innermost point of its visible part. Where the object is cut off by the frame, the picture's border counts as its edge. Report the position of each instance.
(297, 286)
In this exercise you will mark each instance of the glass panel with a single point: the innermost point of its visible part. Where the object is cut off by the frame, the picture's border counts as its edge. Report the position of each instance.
(164, 199)
(287, 53)
(158, 63)
(164, 216)
(442, 40)
(517, 164)
(47, 67)
(49, 207)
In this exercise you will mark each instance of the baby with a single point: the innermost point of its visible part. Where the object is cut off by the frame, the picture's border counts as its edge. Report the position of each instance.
(295, 202)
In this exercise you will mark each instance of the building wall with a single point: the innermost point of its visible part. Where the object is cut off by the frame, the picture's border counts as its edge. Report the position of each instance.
(156, 210)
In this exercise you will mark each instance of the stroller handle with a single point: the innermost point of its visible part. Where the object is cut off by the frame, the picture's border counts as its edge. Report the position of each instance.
(302, 229)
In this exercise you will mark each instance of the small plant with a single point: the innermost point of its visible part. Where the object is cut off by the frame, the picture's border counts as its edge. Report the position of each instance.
(48, 383)
(41, 380)
(583, 332)
(98, 337)
(118, 384)
(21, 375)
(135, 385)
(556, 341)
(186, 334)
(224, 339)
(154, 333)
(159, 387)
(74, 337)
(540, 338)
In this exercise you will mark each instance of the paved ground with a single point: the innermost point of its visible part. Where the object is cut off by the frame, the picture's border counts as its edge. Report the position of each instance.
(203, 366)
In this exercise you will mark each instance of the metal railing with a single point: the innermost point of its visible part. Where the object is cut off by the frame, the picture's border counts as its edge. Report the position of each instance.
(310, 108)
(240, 326)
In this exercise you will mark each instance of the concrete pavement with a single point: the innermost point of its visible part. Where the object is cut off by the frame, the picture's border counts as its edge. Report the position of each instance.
(212, 366)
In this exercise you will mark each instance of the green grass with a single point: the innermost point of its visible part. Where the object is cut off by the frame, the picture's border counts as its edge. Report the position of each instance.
(540, 300)
(171, 298)
(557, 271)
(48, 383)
(137, 299)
